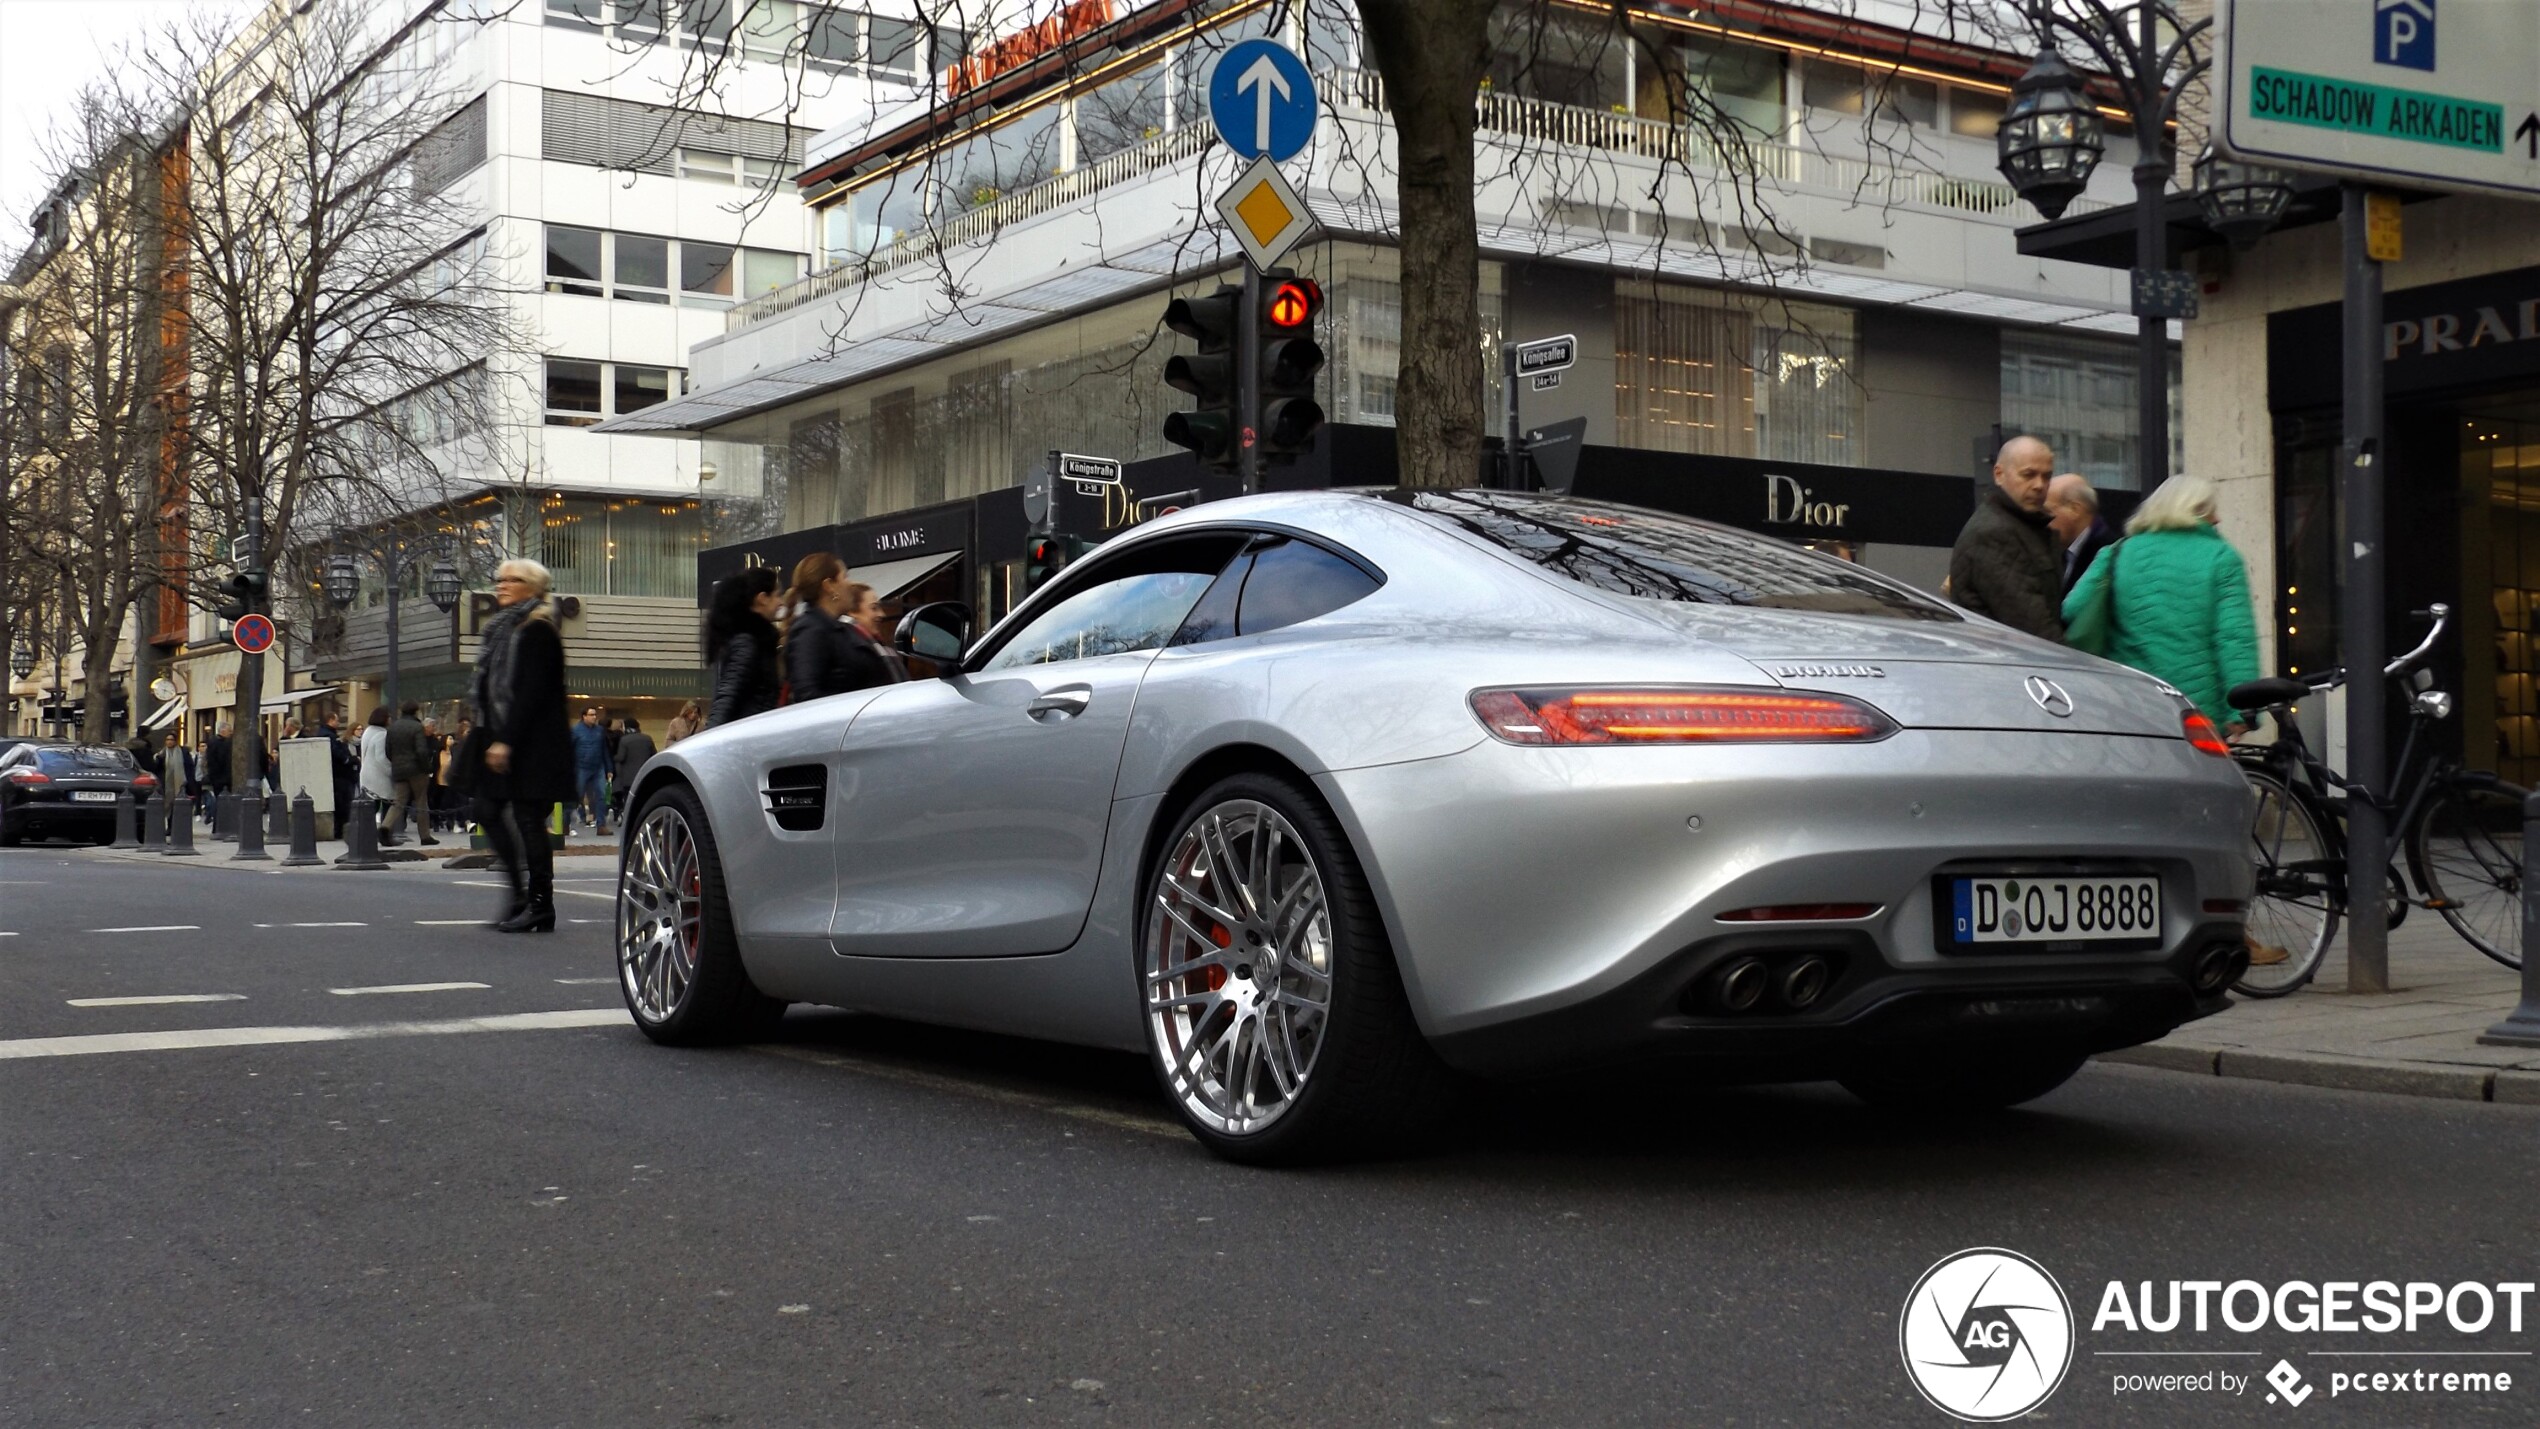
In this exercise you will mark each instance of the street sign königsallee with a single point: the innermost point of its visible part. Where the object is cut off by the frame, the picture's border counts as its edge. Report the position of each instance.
(1100, 469)
(1547, 354)
(2446, 96)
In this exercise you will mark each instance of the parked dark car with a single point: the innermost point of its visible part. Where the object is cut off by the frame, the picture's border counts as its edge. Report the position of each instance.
(66, 790)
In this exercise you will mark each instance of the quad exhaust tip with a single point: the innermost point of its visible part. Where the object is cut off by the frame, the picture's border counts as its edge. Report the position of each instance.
(1804, 981)
(1741, 985)
(2220, 964)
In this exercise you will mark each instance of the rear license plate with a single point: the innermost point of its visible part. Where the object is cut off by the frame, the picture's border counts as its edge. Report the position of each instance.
(92, 796)
(2004, 914)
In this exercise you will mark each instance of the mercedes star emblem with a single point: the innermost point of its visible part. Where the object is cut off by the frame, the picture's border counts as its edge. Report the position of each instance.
(2050, 696)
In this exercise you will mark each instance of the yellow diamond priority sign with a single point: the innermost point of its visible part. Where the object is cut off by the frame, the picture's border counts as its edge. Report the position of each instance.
(1266, 214)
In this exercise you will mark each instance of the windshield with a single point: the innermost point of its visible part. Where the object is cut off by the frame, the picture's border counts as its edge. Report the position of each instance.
(1651, 555)
(84, 761)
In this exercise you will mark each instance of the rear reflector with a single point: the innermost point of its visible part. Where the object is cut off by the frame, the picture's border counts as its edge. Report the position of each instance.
(1676, 716)
(1800, 913)
(2201, 733)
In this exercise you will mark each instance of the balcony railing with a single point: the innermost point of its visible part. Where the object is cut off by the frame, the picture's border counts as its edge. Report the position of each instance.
(1534, 121)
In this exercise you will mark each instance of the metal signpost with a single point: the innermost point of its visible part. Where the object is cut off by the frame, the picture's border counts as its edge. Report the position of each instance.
(1543, 360)
(2399, 91)
(1261, 99)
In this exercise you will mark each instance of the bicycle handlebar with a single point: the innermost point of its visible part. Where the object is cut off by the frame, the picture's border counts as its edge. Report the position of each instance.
(2438, 612)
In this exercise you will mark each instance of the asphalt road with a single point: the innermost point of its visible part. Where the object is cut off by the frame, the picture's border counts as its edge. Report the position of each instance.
(499, 1205)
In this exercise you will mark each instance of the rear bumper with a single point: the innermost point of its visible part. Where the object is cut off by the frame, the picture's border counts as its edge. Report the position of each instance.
(62, 816)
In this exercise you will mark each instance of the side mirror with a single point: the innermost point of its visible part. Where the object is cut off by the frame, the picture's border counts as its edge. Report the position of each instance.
(938, 632)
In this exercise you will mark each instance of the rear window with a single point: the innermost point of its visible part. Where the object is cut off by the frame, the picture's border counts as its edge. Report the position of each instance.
(84, 761)
(1650, 555)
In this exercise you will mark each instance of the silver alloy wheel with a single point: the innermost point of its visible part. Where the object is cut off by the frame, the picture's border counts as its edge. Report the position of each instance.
(660, 915)
(1238, 966)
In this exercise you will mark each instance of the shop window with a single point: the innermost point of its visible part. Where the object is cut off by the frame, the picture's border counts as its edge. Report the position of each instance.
(573, 260)
(1704, 372)
(640, 270)
(573, 393)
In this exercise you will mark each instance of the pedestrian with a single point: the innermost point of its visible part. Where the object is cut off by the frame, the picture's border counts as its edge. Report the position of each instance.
(2072, 513)
(2175, 597)
(819, 648)
(633, 748)
(876, 662)
(176, 767)
(521, 760)
(378, 774)
(435, 756)
(591, 770)
(343, 766)
(2006, 564)
(410, 770)
(740, 641)
(217, 754)
(683, 724)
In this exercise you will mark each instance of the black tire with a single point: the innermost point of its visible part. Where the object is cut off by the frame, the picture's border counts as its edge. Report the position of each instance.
(718, 1003)
(1960, 1085)
(2466, 852)
(10, 835)
(2295, 908)
(1372, 1080)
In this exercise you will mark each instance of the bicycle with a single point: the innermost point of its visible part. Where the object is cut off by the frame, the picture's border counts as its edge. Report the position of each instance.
(2460, 828)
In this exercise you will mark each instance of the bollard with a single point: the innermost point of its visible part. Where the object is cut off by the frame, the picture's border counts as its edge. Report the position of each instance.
(2521, 1028)
(224, 816)
(154, 822)
(123, 822)
(303, 833)
(277, 817)
(361, 835)
(250, 831)
(181, 828)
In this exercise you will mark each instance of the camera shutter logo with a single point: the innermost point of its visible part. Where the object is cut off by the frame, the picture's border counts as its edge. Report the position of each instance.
(1987, 1335)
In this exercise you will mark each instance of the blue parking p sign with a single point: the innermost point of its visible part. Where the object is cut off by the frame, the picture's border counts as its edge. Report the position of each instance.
(2403, 33)
(1261, 99)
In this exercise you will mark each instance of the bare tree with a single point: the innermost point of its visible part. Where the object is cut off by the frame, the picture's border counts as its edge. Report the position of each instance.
(337, 269)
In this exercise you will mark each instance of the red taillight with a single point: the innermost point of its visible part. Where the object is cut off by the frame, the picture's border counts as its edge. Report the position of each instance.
(29, 776)
(2201, 733)
(1800, 913)
(1677, 716)
(145, 781)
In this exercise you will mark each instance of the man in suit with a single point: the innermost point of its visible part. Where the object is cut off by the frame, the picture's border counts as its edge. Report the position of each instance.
(2072, 512)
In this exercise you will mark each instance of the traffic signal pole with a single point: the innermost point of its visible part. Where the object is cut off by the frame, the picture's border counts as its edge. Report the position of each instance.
(1248, 382)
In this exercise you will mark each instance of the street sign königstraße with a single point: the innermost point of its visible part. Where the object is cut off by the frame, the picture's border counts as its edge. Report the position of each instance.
(2435, 95)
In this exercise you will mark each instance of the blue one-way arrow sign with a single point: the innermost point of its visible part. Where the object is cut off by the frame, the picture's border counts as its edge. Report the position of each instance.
(1262, 100)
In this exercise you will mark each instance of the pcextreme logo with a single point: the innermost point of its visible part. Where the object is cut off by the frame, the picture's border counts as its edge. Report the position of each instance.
(1987, 1335)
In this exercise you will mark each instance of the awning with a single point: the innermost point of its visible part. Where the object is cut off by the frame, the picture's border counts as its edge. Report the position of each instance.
(889, 578)
(167, 714)
(288, 698)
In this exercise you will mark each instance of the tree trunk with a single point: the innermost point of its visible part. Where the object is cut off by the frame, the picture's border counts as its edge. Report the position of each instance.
(1432, 55)
(96, 666)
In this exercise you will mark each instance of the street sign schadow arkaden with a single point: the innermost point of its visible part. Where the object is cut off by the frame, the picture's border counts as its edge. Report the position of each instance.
(1262, 100)
(1547, 354)
(2431, 93)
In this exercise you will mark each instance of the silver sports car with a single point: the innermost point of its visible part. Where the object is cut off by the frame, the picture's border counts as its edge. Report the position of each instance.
(1322, 799)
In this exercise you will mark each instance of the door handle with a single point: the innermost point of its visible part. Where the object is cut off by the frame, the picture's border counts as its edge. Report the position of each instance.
(1065, 702)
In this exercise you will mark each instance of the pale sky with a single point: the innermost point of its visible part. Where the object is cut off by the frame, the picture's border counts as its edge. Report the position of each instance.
(49, 50)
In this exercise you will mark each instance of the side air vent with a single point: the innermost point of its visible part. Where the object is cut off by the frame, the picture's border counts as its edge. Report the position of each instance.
(797, 796)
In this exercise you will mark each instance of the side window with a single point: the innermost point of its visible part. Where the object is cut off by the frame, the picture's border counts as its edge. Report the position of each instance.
(1295, 581)
(1214, 617)
(1134, 603)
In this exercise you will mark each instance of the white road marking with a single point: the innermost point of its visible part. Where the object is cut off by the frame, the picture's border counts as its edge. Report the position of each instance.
(7, 935)
(155, 928)
(448, 922)
(408, 987)
(27, 1047)
(567, 892)
(312, 925)
(159, 1000)
(582, 981)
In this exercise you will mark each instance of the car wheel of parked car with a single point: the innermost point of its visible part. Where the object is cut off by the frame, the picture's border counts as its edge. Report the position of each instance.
(1987, 1083)
(1274, 1011)
(678, 963)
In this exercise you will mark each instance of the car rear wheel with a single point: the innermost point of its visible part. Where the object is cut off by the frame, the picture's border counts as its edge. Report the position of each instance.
(1963, 1084)
(1274, 1012)
(678, 962)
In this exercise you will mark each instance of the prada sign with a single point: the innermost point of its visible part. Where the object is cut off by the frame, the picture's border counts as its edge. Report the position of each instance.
(2470, 333)
(1798, 501)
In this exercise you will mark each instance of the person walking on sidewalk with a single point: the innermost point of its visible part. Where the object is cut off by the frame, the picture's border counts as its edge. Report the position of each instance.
(821, 651)
(634, 747)
(2007, 563)
(410, 769)
(740, 641)
(688, 721)
(378, 775)
(591, 770)
(522, 765)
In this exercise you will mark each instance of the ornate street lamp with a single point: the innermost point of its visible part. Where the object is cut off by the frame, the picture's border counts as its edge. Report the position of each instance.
(2050, 137)
(2240, 200)
(22, 660)
(343, 580)
(442, 584)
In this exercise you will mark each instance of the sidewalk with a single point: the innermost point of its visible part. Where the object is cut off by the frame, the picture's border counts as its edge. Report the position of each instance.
(2420, 1039)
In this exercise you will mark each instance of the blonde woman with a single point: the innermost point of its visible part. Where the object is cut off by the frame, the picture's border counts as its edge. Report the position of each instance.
(2180, 607)
(525, 767)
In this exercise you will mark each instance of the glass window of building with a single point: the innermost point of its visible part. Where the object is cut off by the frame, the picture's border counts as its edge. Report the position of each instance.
(636, 388)
(1908, 100)
(573, 260)
(1120, 114)
(705, 274)
(1695, 78)
(583, 14)
(1831, 85)
(836, 37)
(765, 271)
(769, 28)
(2077, 394)
(642, 19)
(1697, 370)
(1560, 56)
(1974, 113)
(573, 393)
(640, 271)
(710, 22)
(895, 46)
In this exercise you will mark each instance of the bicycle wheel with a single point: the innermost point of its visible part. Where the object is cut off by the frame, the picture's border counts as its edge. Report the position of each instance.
(2466, 852)
(2296, 908)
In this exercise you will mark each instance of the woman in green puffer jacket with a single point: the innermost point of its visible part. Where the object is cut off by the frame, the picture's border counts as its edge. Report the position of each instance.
(2181, 609)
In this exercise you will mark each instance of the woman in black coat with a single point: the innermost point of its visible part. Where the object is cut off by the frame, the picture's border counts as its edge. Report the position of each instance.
(741, 646)
(826, 651)
(521, 762)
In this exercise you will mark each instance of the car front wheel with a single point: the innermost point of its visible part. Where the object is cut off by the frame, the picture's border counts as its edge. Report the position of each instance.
(1274, 1013)
(678, 962)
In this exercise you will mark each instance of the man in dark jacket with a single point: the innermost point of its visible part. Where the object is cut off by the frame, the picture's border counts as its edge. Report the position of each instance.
(633, 748)
(526, 759)
(410, 767)
(2072, 510)
(2007, 563)
(216, 757)
(344, 767)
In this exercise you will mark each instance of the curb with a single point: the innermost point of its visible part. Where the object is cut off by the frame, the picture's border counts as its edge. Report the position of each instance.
(2337, 1073)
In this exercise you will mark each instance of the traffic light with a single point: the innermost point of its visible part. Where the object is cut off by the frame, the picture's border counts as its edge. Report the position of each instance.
(1046, 556)
(1208, 429)
(1289, 359)
(240, 594)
